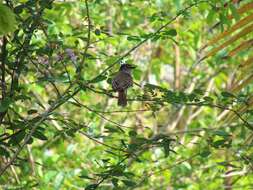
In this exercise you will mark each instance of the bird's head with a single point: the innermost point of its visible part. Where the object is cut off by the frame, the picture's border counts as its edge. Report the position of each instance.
(126, 67)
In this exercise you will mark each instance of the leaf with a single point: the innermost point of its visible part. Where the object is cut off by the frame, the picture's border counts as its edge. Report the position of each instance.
(210, 16)
(18, 9)
(166, 146)
(133, 38)
(71, 132)
(59, 180)
(219, 143)
(208, 99)
(191, 96)
(132, 133)
(182, 97)
(98, 79)
(37, 134)
(91, 187)
(22, 97)
(198, 91)
(32, 111)
(171, 32)
(227, 94)
(117, 171)
(221, 133)
(4, 105)
(109, 81)
(7, 20)
(152, 87)
(234, 11)
(110, 152)
(156, 37)
(244, 45)
(133, 147)
(137, 73)
(234, 38)
(4, 152)
(230, 30)
(129, 183)
(30, 141)
(85, 177)
(112, 129)
(205, 153)
(17, 138)
(115, 182)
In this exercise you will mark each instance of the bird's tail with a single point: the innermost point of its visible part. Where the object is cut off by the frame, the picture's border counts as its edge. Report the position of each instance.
(122, 99)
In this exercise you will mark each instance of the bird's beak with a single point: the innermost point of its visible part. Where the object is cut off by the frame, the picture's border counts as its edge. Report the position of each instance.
(132, 67)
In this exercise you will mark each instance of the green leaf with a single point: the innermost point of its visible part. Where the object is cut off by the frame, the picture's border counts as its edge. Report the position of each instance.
(182, 97)
(208, 99)
(7, 20)
(4, 105)
(234, 11)
(198, 91)
(59, 180)
(137, 73)
(32, 111)
(85, 177)
(227, 94)
(98, 79)
(133, 147)
(152, 87)
(191, 96)
(113, 129)
(166, 146)
(132, 133)
(91, 187)
(18, 9)
(30, 141)
(17, 138)
(22, 97)
(171, 32)
(156, 37)
(205, 153)
(210, 17)
(109, 81)
(4, 152)
(133, 38)
(115, 182)
(37, 134)
(221, 133)
(219, 143)
(129, 183)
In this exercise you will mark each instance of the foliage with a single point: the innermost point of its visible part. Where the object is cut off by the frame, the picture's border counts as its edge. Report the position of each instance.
(188, 123)
(7, 20)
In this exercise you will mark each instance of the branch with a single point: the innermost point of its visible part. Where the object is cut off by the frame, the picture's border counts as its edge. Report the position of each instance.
(88, 40)
(3, 60)
(3, 85)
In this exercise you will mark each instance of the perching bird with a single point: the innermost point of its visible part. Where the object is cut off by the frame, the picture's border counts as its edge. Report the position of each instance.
(122, 81)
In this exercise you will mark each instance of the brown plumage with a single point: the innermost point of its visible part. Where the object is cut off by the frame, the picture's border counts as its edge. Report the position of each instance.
(121, 82)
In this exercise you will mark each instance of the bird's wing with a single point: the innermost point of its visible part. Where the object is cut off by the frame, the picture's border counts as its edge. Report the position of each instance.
(122, 81)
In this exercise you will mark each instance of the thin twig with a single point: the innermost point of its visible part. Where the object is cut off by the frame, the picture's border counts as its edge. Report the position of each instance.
(119, 126)
(99, 142)
(88, 39)
(3, 60)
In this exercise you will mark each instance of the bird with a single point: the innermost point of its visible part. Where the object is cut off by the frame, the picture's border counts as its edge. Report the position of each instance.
(122, 81)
